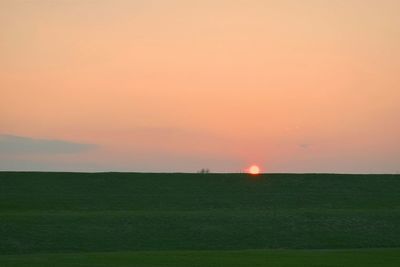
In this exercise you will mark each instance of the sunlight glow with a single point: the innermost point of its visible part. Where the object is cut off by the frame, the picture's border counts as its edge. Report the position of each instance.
(254, 170)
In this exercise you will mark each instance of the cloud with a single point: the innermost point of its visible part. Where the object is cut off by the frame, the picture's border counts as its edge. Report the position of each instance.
(304, 146)
(12, 144)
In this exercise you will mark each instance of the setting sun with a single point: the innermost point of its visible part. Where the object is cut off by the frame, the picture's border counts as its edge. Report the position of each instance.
(254, 170)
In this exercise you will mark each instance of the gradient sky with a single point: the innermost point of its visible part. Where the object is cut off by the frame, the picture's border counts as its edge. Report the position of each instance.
(294, 86)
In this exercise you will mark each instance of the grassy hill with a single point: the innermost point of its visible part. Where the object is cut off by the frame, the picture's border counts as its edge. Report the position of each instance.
(113, 212)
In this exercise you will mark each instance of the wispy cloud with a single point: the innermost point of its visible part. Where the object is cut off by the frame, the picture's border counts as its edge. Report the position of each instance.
(12, 144)
(304, 146)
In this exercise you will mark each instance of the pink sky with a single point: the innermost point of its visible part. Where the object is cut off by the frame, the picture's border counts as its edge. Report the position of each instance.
(293, 86)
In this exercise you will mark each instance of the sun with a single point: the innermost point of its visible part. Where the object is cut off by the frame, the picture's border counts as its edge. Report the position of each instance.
(254, 170)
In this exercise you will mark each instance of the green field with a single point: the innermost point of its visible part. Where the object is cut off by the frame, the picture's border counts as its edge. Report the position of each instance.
(244, 258)
(133, 219)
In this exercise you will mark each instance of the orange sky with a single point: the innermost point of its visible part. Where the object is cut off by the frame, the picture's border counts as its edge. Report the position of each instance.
(294, 86)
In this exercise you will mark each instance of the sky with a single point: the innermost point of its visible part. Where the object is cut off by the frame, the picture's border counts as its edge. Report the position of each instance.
(177, 86)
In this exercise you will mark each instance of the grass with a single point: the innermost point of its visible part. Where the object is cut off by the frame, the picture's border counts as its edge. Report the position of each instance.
(245, 258)
(85, 219)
